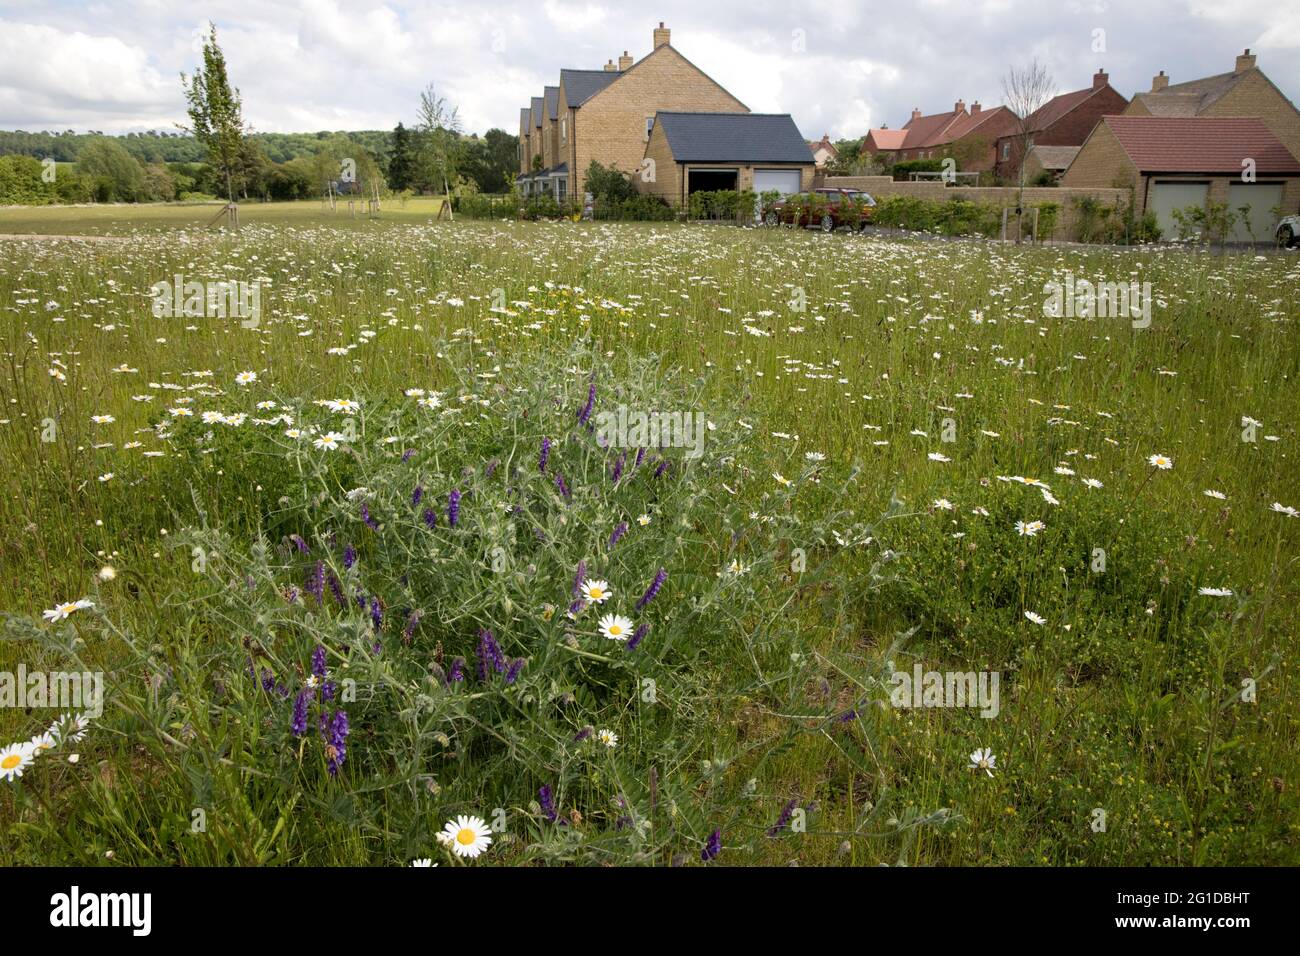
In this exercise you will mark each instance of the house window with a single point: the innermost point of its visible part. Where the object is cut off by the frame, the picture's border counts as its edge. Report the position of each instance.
(1006, 151)
(561, 189)
(649, 125)
(564, 130)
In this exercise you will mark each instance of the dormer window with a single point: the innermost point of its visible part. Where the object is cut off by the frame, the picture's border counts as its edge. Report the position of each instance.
(649, 125)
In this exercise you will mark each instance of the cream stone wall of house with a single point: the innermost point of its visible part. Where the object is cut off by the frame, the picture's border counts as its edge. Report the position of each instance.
(611, 126)
(1254, 95)
(1102, 162)
(667, 180)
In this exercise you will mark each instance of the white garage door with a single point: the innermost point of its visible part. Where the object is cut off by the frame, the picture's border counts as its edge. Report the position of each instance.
(1258, 223)
(784, 181)
(1168, 196)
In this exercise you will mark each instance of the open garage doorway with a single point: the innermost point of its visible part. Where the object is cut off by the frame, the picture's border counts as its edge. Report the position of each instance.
(710, 180)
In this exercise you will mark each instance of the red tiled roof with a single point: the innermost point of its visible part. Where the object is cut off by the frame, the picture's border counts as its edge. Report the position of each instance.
(1055, 108)
(887, 138)
(1200, 144)
(968, 123)
(929, 130)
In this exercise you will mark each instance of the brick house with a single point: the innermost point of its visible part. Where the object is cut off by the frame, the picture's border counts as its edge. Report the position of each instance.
(968, 135)
(1064, 120)
(883, 140)
(606, 115)
(1172, 162)
(690, 152)
(1246, 91)
(823, 150)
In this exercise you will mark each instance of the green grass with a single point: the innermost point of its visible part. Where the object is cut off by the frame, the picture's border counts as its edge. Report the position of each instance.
(1127, 699)
(122, 219)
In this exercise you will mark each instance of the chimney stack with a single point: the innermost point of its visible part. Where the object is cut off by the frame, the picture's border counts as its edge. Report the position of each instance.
(624, 62)
(1099, 79)
(610, 67)
(1159, 82)
(916, 114)
(1245, 62)
(975, 107)
(662, 35)
(959, 106)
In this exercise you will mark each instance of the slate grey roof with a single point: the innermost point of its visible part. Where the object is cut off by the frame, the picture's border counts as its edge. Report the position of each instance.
(552, 95)
(734, 138)
(538, 105)
(582, 85)
(525, 114)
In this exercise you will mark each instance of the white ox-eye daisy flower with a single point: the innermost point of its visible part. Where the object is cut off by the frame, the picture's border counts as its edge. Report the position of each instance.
(467, 836)
(597, 592)
(983, 759)
(615, 627)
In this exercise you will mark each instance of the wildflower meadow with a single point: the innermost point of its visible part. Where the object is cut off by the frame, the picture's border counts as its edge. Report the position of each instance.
(401, 542)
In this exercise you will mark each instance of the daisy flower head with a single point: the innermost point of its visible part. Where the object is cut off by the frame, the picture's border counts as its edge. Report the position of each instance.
(14, 759)
(42, 742)
(467, 836)
(643, 520)
(1091, 483)
(423, 861)
(62, 611)
(1162, 462)
(983, 759)
(1284, 509)
(615, 627)
(607, 737)
(1216, 592)
(345, 405)
(1035, 618)
(102, 419)
(942, 504)
(597, 592)
(246, 378)
(1027, 529)
(1216, 495)
(936, 456)
(329, 441)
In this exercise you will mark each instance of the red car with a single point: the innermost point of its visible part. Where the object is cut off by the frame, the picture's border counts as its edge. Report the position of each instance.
(827, 208)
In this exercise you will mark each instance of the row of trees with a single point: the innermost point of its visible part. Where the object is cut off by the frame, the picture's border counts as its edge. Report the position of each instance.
(221, 157)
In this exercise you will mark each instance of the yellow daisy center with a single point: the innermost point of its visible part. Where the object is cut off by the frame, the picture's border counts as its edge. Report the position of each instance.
(10, 762)
(615, 629)
(466, 837)
(596, 594)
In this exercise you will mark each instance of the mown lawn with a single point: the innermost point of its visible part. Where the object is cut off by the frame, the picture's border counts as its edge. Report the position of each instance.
(882, 416)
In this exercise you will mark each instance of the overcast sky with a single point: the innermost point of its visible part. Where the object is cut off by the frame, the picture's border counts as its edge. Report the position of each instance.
(839, 66)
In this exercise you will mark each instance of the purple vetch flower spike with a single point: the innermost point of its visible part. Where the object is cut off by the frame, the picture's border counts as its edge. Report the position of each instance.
(316, 582)
(512, 672)
(637, 635)
(713, 847)
(579, 578)
(653, 589)
(618, 468)
(268, 680)
(365, 516)
(300, 544)
(547, 802)
(337, 588)
(545, 455)
(585, 412)
(453, 507)
(376, 612)
(489, 653)
(663, 466)
(640, 457)
(349, 557)
(327, 690)
(416, 495)
(457, 672)
(336, 742)
(618, 533)
(412, 623)
(430, 517)
(784, 819)
(406, 455)
(559, 483)
(583, 734)
(298, 722)
(318, 661)
(577, 606)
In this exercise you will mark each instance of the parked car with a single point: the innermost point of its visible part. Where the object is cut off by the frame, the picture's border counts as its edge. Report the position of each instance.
(827, 209)
(1288, 231)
